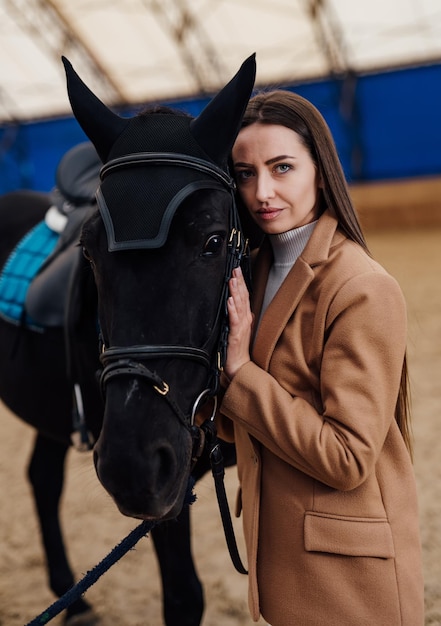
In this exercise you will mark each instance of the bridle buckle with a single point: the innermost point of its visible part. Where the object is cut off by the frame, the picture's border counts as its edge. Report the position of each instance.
(165, 389)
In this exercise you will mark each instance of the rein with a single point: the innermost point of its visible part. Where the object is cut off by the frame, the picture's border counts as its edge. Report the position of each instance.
(129, 361)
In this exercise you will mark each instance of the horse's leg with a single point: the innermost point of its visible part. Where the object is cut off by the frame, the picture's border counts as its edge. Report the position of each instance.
(46, 474)
(183, 598)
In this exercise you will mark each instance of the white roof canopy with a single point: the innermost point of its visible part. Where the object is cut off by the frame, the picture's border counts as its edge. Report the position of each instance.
(135, 51)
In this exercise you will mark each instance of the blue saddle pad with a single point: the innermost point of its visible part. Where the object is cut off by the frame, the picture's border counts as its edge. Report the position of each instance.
(20, 269)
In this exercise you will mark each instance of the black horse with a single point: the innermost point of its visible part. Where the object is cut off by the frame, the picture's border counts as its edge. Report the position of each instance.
(166, 294)
(40, 366)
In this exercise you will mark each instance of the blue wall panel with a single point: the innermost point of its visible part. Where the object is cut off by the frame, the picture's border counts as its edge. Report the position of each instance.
(401, 123)
(386, 126)
(29, 153)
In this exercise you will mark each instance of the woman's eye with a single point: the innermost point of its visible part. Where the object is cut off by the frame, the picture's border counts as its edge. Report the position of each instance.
(243, 175)
(213, 245)
(282, 168)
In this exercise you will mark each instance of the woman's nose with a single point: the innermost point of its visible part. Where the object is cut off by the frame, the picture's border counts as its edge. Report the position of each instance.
(264, 187)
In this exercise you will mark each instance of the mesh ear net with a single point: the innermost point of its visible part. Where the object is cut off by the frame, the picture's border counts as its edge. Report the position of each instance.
(139, 195)
(138, 203)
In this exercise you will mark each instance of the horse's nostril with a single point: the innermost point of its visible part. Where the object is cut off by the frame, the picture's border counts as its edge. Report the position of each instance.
(162, 465)
(168, 460)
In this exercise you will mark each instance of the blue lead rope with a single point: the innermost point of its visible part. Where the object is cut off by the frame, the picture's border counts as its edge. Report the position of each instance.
(92, 575)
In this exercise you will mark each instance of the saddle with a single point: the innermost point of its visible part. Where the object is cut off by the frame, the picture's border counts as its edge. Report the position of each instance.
(73, 200)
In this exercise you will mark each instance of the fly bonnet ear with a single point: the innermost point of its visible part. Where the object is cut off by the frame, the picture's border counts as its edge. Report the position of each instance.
(160, 158)
(217, 127)
(100, 124)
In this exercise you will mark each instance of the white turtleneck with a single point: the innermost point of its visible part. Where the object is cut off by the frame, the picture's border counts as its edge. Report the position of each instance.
(287, 247)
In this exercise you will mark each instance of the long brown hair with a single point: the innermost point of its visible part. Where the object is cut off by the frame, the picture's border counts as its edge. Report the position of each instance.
(288, 109)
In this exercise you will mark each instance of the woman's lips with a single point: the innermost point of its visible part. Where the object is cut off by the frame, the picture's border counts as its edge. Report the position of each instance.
(268, 214)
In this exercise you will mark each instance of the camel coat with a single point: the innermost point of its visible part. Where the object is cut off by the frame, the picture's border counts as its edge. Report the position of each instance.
(327, 487)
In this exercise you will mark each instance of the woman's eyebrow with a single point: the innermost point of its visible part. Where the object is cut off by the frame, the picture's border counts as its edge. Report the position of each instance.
(281, 157)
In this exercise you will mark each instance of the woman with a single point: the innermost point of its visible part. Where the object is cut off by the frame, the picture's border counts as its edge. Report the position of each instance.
(315, 387)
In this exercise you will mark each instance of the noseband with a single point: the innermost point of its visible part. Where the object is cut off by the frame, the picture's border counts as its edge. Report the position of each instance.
(130, 361)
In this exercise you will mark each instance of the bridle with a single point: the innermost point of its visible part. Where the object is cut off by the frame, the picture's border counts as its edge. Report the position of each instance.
(130, 361)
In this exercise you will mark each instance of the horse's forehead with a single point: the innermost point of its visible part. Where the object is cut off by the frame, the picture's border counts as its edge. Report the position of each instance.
(157, 133)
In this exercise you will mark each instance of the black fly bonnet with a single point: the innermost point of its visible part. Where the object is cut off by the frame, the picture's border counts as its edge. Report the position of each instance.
(162, 177)
(157, 161)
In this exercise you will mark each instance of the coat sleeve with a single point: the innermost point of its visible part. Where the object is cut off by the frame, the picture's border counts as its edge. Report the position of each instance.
(338, 438)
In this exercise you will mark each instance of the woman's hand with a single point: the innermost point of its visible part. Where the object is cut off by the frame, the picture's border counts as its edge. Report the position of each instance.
(241, 322)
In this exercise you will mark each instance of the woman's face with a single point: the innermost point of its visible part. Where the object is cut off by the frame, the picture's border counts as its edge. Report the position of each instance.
(276, 177)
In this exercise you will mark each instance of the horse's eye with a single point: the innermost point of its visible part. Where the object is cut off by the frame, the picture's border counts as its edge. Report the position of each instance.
(213, 245)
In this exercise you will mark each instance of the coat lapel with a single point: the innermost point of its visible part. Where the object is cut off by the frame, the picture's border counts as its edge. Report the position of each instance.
(284, 303)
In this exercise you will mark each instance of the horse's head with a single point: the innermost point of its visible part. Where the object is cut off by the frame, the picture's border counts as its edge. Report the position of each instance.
(161, 245)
